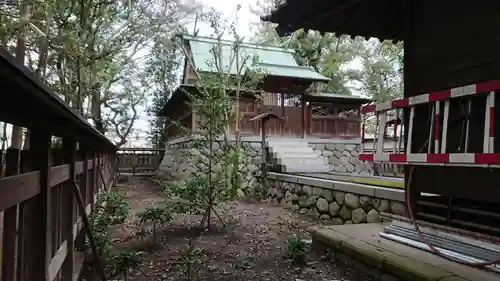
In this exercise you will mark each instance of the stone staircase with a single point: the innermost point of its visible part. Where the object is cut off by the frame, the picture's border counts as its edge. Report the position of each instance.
(293, 155)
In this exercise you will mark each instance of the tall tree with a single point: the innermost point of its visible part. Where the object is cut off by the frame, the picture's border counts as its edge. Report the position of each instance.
(381, 76)
(94, 52)
(163, 67)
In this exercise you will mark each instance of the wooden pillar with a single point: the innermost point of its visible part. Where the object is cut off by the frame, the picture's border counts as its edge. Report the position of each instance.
(263, 165)
(40, 215)
(10, 230)
(69, 150)
(283, 126)
(303, 106)
(23, 232)
(85, 185)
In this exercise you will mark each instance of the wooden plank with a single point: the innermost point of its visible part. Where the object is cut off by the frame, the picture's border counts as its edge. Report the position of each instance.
(23, 234)
(58, 175)
(69, 147)
(58, 260)
(16, 189)
(40, 143)
(9, 238)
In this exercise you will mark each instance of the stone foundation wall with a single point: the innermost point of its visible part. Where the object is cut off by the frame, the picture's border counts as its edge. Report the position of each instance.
(344, 158)
(346, 204)
(180, 160)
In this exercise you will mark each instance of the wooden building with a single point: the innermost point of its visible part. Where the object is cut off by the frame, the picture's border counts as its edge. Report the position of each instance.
(319, 115)
(446, 46)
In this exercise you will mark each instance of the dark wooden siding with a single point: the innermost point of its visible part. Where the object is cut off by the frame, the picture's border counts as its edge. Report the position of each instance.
(448, 45)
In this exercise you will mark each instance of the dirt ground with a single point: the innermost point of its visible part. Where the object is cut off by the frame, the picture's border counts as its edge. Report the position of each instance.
(248, 248)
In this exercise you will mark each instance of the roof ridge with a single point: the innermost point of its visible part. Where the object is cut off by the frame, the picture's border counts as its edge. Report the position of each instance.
(207, 39)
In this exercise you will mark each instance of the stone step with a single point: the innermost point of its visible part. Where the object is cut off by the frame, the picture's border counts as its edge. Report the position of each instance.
(293, 168)
(301, 161)
(287, 149)
(294, 154)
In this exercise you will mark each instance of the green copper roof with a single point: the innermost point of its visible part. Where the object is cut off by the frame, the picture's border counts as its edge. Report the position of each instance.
(270, 60)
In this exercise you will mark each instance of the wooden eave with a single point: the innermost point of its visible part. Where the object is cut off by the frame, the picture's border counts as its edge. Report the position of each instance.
(382, 19)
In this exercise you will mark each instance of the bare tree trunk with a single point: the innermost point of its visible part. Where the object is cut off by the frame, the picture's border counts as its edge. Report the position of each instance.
(24, 13)
(96, 107)
(39, 73)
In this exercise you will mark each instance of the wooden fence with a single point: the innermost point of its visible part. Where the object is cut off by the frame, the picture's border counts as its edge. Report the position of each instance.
(46, 191)
(139, 161)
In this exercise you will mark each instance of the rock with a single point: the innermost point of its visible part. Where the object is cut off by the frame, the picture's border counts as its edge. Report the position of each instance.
(313, 212)
(273, 191)
(366, 203)
(330, 146)
(398, 208)
(328, 194)
(336, 221)
(324, 218)
(354, 153)
(345, 213)
(303, 202)
(291, 197)
(334, 209)
(341, 169)
(350, 147)
(352, 201)
(322, 205)
(303, 211)
(280, 195)
(319, 146)
(311, 200)
(327, 153)
(358, 216)
(384, 206)
(373, 216)
(349, 167)
(256, 145)
(339, 197)
(348, 222)
(307, 190)
(317, 191)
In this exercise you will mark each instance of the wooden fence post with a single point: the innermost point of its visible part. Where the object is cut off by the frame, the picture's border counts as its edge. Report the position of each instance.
(69, 150)
(12, 167)
(40, 145)
(23, 230)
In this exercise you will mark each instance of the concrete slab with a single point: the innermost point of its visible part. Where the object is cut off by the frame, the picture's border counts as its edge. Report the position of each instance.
(363, 243)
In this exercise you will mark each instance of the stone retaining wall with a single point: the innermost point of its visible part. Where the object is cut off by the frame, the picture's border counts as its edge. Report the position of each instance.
(335, 202)
(343, 158)
(180, 159)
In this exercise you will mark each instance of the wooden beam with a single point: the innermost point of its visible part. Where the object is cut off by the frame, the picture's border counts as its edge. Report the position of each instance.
(58, 175)
(57, 261)
(16, 189)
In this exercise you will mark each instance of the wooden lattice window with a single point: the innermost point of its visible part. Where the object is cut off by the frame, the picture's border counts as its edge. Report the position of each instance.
(348, 113)
(320, 110)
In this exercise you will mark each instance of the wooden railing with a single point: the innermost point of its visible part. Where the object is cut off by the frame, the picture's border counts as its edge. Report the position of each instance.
(46, 190)
(139, 161)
